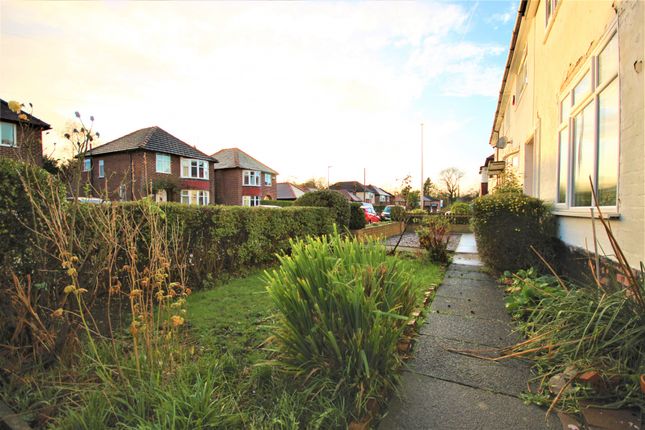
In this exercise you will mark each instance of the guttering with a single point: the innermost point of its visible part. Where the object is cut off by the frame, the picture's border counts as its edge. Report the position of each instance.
(509, 60)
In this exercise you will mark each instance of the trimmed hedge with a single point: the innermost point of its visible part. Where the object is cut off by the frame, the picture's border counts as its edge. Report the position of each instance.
(507, 225)
(356, 217)
(281, 203)
(333, 200)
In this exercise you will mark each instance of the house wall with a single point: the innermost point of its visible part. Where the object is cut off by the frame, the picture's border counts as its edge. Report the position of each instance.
(230, 188)
(137, 171)
(29, 146)
(554, 62)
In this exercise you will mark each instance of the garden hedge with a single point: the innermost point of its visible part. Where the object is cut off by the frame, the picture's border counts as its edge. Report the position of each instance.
(333, 200)
(507, 225)
(357, 217)
(281, 203)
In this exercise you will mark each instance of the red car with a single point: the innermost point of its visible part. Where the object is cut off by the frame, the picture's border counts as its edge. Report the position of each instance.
(370, 217)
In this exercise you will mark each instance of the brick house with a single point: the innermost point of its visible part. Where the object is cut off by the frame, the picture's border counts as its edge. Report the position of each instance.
(242, 180)
(150, 161)
(21, 139)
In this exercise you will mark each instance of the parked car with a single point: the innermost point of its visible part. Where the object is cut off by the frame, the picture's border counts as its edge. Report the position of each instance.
(369, 207)
(370, 217)
(386, 214)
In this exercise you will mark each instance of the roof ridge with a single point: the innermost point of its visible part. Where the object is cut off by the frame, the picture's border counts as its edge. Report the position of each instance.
(151, 130)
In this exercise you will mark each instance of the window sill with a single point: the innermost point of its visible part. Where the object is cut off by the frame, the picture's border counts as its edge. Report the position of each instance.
(193, 179)
(163, 173)
(244, 185)
(8, 146)
(585, 214)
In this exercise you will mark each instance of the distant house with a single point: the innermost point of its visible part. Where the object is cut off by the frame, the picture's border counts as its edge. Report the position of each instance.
(382, 197)
(243, 180)
(289, 191)
(21, 139)
(365, 194)
(351, 197)
(150, 161)
(432, 205)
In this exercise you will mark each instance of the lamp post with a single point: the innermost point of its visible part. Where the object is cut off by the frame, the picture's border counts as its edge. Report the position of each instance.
(422, 184)
(328, 167)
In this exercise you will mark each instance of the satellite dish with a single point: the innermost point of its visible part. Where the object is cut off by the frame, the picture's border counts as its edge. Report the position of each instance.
(501, 143)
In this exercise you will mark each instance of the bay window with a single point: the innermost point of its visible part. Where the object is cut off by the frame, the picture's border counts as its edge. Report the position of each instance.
(251, 201)
(194, 169)
(195, 197)
(588, 135)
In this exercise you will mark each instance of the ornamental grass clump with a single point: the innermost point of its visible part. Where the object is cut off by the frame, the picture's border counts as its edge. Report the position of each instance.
(342, 308)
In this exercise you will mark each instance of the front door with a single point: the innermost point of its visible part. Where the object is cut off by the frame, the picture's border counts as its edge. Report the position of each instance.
(161, 196)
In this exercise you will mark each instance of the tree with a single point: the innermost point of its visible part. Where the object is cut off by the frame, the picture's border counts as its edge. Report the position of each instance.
(406, 187)
(450, 178)
(317, 183)
(430, 189)
(50, 164)
(412, 200)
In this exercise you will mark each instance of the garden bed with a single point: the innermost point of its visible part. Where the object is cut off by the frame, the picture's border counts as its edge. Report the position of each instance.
(221, 377)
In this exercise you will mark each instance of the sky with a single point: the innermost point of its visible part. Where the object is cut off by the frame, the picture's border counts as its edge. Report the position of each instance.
(298, 85)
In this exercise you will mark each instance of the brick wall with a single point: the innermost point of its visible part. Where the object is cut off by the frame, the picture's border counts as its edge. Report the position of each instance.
(29, 147)
(137, 171)
(230, 189)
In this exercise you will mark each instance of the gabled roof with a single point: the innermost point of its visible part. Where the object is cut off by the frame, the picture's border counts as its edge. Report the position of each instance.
(235, 158)
(151, 139)
(351, 186)
(8, 115)
(349, 196)
(289, 191)
(380, 191)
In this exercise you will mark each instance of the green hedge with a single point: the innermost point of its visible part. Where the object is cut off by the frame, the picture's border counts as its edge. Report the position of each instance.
(281, 203)
(333, 200)
(507, 225)
(357, 217)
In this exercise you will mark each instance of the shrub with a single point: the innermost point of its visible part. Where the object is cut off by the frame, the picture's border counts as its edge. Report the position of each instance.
(340, 207)
(507, 225)
(281, 203)
(461, 208)
(357, 217)
(433, 237)
(342, 306)
(416, 216)
(397, 213)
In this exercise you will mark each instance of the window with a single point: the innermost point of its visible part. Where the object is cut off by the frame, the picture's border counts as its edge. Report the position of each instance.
(196, 169)
(251, 178)
(588, 135)
(87, 164)
(163, 163)
(267, 179)
(522, 78)
(101, 168)
(550, 10)
(195, 197)
(250, 200)
(7, 134)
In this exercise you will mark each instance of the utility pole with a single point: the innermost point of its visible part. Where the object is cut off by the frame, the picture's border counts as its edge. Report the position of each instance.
(422, 183)
(364, 192)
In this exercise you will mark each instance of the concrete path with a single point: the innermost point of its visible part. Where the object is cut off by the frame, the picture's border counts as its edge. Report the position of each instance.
(443, 389)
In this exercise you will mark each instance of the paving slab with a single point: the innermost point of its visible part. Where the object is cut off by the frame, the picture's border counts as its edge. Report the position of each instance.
(431, 403)
(435, 357)
(496, 334)
(483, 309)
(467, 244)
(464, 290)
(464, 274)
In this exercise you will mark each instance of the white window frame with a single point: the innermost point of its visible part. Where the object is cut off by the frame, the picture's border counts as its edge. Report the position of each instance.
(187, 167)
(101, 168)
(576, 108)
(14, 144)
(251, 201)
(195, 197)
(550, 6)
(87, 164)
(522, 79)
(267, 179)
(160, 167)
(251, 178)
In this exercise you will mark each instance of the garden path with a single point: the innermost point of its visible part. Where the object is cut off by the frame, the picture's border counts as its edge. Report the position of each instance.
(443, 389)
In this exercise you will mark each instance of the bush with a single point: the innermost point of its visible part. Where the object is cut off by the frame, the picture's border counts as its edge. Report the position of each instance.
(433, 237)
(397, 213)
(507, 225)
(461, 208)
(357, 217)
(416, 216)
(342, 306)
(340, 207)
(281, 203)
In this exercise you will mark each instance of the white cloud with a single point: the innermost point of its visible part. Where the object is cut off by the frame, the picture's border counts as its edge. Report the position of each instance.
(298, 85)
